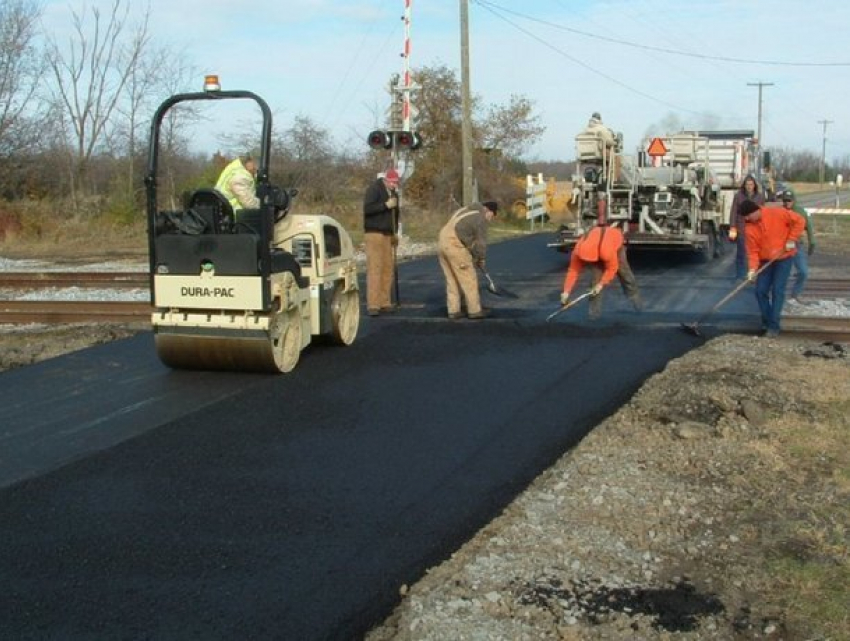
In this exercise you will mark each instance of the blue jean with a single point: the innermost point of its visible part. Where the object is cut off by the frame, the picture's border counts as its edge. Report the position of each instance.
(801, 267)
(741, 257)
(770, 292)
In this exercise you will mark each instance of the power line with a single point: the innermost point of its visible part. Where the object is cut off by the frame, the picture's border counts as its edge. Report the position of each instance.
(495, 12)
(675, 52)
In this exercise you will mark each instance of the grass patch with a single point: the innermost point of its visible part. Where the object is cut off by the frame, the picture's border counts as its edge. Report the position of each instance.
(832, 233)
(815, 597)
(808, 552)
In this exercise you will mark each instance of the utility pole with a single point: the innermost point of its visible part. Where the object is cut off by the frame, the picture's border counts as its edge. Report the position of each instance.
(823, 151)
(465, 102)
(758, 146)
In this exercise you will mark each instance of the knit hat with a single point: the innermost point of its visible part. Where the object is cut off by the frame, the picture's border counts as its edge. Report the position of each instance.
(748, 207)
(391, 176)
(492, 205)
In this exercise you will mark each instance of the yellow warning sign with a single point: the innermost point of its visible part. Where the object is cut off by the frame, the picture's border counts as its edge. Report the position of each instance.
(656, 147)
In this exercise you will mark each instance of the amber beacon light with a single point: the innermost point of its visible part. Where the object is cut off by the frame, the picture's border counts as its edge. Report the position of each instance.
(211, 83)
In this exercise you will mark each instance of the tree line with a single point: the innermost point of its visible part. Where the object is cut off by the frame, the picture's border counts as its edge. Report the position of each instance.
(75, 115)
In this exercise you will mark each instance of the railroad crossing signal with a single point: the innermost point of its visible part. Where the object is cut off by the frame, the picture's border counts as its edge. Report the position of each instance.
(405, 140)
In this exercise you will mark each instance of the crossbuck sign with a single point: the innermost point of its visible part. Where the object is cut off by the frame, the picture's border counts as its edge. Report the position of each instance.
(535, 199)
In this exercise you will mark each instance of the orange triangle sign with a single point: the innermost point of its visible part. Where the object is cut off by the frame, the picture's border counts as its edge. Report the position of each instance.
(656, 147)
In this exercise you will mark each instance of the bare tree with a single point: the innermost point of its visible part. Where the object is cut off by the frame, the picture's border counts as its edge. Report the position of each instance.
(500, 133)
(161, 72)
(21, 69)
(512, 127)
(90, 77)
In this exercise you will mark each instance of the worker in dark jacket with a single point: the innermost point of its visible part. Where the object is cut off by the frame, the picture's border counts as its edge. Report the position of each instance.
(771, 234)
(463, 248)
(380, 224)
(749, 192)
(603, 248)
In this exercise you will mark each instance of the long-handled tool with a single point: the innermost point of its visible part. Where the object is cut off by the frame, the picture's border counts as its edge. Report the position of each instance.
(395, 249)
(693, 328)
(498, 291)
(569, 304)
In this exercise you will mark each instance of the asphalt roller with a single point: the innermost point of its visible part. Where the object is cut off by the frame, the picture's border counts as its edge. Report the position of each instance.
(245, 291)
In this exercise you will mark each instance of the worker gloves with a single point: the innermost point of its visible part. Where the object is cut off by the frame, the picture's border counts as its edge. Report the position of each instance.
(789, 245)
(733, 234)
(596, 289)
(751, 275)
(392, 202)
(565, 296)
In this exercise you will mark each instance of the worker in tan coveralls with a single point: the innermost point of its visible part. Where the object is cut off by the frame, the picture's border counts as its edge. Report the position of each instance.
(462, 248)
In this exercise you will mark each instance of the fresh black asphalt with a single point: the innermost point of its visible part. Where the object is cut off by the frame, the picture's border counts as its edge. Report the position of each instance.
(141, 503)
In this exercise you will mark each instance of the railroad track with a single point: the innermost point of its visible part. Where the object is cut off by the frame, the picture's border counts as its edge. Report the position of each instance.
(41, 280)
(59, 312)
(62, 312)
(817, 327)
(815, 287)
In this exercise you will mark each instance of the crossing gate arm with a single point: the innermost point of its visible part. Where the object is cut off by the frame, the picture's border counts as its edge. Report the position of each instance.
(834, 212)
(828, 211)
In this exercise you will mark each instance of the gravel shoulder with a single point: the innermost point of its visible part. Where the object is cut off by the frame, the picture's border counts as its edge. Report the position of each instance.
(714, 505)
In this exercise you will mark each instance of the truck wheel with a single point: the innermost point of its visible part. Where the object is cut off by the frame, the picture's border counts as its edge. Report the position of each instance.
(709, 251)
(285, 337)
(345, 316)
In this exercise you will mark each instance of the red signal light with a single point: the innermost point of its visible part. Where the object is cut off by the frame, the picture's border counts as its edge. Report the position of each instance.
(379, 140)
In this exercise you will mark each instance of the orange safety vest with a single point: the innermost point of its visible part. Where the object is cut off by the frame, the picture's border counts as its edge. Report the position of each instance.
(600, 245)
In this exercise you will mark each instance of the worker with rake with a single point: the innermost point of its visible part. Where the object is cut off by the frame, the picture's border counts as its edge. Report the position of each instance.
(771, 234)
(603, 249)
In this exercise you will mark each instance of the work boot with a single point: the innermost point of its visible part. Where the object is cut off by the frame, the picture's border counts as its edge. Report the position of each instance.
(637, 303)
(389, 309)
(373, 311)
(455, 315)
(484, 313)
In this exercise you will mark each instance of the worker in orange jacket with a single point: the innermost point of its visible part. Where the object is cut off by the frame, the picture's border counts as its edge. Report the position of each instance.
(771, 233)
(603, 248)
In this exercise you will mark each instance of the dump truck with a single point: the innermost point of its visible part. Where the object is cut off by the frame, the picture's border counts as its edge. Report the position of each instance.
(674, 194)
(244, 290)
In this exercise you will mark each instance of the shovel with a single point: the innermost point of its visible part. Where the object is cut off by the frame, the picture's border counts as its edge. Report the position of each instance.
(498, 291)
(569, 304)
(693, 328)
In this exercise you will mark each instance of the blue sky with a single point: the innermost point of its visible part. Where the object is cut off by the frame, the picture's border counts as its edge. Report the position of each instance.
(331, 60)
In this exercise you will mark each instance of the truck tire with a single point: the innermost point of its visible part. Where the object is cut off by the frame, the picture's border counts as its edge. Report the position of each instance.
(709, 252)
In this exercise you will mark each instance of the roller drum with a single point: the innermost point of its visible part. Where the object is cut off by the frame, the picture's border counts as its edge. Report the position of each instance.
(277, 350)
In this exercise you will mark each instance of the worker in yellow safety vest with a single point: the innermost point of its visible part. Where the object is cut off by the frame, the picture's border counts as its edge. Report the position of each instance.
(236, 183)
